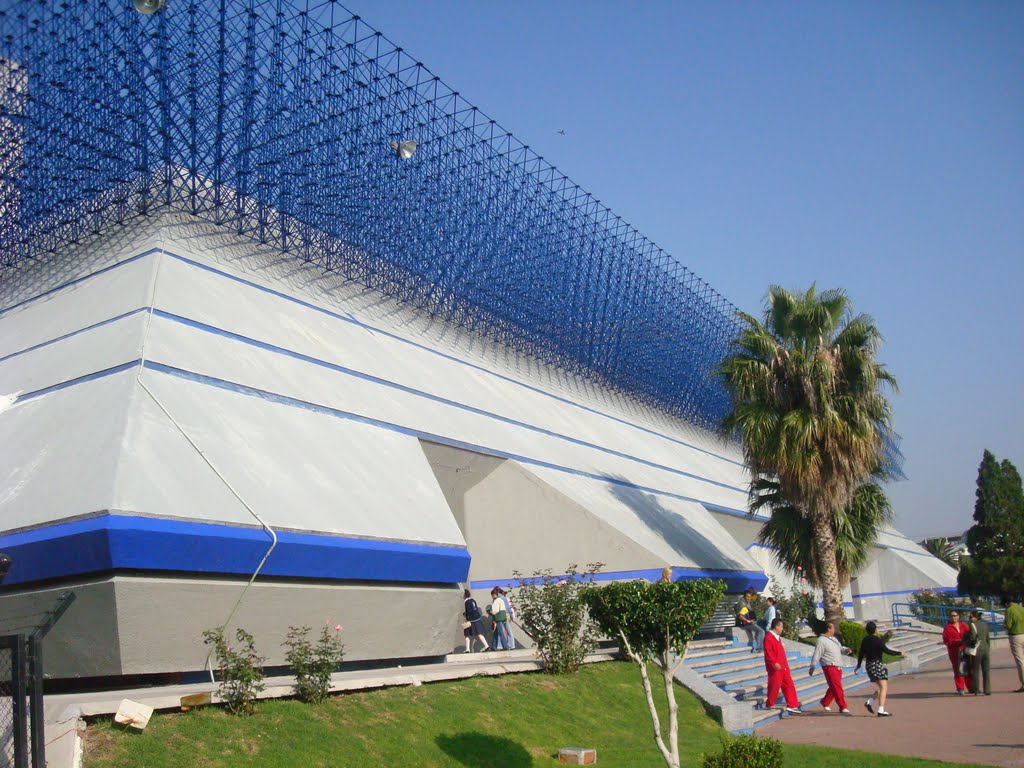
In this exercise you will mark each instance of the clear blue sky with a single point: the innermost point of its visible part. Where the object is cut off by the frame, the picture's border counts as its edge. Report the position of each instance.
(876, 147)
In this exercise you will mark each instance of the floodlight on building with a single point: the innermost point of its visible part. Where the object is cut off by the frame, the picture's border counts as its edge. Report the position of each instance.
(5, 565)
(149, 7)
(404, 149)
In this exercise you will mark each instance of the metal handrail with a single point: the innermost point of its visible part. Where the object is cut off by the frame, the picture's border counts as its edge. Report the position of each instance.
(938, 615)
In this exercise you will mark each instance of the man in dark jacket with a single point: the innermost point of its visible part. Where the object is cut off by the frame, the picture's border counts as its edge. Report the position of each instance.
(979, 642)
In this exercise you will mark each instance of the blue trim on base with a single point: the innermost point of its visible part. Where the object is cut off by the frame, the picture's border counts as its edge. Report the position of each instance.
(123, 542)
(736, 581)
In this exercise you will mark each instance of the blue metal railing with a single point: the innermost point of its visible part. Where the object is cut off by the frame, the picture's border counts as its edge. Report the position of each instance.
(938, 615)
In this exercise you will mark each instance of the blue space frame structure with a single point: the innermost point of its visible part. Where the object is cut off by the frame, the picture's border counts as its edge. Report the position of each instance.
(274, 119)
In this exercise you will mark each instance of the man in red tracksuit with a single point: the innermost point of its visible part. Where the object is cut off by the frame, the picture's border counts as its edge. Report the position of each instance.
(777, 664)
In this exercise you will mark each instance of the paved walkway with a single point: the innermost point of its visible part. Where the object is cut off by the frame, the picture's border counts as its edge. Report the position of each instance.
(928, 720)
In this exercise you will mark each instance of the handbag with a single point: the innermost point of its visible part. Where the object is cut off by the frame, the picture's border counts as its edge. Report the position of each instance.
(467, 624)
(500, 616)
(971, 650)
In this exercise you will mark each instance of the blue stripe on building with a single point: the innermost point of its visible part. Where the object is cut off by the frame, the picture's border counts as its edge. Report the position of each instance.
(124, 542)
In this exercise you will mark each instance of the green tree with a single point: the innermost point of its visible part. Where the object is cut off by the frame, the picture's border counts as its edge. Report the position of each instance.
(810, 410)
(996, 540)
(790, 533)
(655, 622)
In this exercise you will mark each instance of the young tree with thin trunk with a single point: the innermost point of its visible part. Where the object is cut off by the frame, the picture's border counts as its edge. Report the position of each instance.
(655, 622)
(810, 410)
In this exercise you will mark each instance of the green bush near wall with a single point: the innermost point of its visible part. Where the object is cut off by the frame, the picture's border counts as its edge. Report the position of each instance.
(853, 635)
(746, 752)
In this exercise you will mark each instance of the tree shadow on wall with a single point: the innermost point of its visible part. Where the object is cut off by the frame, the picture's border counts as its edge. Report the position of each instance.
(476, 749)
(671, 526)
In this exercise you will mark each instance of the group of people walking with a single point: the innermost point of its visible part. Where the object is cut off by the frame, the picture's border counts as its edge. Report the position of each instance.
(501, 615)
(828, 654)
(968, 645)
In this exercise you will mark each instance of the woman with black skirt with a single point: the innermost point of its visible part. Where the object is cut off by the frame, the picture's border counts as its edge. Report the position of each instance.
(474, 624)
(872, 649)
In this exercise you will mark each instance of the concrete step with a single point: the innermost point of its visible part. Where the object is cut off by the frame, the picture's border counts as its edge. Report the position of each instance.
(711, 652)
(705, 662)
(812, 688)
(924, 657)
(915, 638)
(728, 669)
(762, 717)
(715, 642)
(520, 654)
(741, 679)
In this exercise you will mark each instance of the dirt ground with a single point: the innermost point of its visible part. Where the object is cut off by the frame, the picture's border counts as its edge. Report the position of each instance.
(929, 719)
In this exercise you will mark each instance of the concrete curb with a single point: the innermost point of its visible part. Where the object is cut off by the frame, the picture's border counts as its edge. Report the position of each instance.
(64, 740)
(735, 716)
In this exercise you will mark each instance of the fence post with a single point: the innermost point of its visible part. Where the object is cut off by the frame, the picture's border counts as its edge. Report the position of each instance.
(38, 724)
(19, 668)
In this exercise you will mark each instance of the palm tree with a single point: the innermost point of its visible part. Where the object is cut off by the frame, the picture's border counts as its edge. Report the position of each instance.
(809, 409)
(855, 528)
(942, 549)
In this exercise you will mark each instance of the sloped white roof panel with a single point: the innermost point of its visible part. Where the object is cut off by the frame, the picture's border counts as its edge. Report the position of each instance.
(442, 370)
(682, 533)
(59, 452)
(296, 468)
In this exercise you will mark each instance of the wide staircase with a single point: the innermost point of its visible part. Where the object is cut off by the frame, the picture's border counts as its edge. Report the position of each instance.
(729, 664)
(922, 641)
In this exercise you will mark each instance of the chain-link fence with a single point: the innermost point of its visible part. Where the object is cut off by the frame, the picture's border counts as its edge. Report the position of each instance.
(14, 723)
(6, 709)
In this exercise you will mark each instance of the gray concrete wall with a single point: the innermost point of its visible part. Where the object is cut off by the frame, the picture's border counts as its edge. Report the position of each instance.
(85, 641)
(126, 625)
(161, 619)
(743, 529)
(516, 522)
(458, 471)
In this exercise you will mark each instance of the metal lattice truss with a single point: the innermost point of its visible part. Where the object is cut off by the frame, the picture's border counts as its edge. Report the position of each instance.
(275, 118)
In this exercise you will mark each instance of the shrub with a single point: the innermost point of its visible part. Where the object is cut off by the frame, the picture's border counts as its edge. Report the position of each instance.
(551, 611)
(313, 664)
(793, 609)
(853, 635)
(746, 752)
(241, 670)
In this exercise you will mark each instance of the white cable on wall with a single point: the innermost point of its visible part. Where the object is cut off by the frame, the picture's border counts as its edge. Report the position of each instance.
(198, 450)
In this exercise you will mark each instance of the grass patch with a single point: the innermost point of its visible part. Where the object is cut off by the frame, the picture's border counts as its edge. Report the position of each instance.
(516, 721)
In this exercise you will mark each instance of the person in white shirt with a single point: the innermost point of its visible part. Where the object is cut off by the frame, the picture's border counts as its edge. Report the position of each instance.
(829, 654)
(770, 612)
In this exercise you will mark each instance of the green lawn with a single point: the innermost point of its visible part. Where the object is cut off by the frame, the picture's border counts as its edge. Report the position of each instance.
(513, 721)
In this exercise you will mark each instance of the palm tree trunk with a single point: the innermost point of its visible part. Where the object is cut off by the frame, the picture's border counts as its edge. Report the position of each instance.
(828, 572)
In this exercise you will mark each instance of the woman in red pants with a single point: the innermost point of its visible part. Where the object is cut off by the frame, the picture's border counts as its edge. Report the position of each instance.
(955, 636)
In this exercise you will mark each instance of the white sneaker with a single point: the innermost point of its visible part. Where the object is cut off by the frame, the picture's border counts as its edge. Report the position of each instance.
(845, 712)
(793, 711)
(826, 709)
